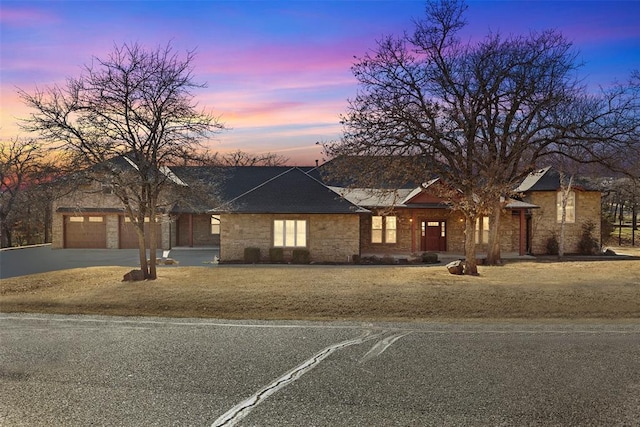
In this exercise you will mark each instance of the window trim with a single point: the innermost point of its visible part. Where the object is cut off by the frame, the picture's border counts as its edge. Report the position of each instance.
(381, 233)
(215, 225)
(298, 229)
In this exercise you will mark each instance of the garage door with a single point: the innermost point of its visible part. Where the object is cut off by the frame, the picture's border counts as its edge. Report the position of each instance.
(85, 232)
(129, 238)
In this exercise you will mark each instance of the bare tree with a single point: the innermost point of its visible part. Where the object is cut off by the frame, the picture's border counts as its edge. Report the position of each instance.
(21, 161)
(136, 105)
(234, 158)
(243, 158)
(478, 115)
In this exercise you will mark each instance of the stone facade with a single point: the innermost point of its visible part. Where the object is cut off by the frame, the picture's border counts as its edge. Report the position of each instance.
(330, 237)
(95, 201)
(409, 234)
(544, 223)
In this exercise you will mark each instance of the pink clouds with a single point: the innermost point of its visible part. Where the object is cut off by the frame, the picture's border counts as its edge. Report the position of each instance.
(25, 17)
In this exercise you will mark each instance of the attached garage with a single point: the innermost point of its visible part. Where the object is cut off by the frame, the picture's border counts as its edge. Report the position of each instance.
(129, 237)
(85, 231)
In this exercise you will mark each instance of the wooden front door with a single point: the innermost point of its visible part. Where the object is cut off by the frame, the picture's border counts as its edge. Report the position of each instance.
(434, 236)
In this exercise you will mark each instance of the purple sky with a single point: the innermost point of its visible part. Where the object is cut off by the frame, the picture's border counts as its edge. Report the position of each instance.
(278, 73)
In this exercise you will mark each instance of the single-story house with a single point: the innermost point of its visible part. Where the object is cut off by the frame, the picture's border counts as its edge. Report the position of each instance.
(299, 207)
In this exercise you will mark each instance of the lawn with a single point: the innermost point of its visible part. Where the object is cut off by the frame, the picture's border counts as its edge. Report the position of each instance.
(527, 290)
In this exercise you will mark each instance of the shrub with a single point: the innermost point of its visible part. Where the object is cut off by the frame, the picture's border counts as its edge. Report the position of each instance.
(276, 255)
(588, 245)
(553, 248)
(300, 256)
(429, 258)
(252, 255)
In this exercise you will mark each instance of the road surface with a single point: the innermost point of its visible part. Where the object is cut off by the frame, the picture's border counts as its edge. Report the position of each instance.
(108, 371)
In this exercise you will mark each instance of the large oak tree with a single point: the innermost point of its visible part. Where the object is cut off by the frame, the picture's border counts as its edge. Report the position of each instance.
(477, 114)
(137, 105)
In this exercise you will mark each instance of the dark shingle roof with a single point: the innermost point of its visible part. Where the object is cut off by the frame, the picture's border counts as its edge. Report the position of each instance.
(290, 191)
(548, 179)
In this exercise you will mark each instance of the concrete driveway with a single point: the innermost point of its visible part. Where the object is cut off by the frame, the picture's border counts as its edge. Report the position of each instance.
(39, 259)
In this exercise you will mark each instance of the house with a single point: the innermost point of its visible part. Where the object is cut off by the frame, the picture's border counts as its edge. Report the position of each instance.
(303, 208)
(543, 189)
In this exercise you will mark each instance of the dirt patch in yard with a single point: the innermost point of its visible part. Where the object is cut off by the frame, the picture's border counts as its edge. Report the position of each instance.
(572, 290)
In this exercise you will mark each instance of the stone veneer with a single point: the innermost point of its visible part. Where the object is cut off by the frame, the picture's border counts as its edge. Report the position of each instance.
(544, 220)
(90, 200)
(330, 237)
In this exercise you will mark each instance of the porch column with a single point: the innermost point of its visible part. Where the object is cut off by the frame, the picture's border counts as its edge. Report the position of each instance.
(523, 233)
(190, 230)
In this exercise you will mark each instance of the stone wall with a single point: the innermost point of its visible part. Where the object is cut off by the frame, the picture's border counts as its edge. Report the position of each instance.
(91, 199)
(544, 222)
(330, 237)
(409, 232)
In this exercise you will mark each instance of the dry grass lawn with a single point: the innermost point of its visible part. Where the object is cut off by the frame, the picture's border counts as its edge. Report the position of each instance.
(569, 290)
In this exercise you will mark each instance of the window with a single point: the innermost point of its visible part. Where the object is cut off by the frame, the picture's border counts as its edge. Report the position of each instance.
(390, 230)
(96, 219)
(215, 224)
(570, 208)
(376, 229)
(290, 233)
(384, 226)
(76, 219)
(482, 230)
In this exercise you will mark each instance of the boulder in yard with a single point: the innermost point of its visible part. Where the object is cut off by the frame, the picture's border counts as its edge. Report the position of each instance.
(456, 267)
(133, 276)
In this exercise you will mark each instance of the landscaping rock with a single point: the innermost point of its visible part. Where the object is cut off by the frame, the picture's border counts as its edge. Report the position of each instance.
(456, 267)
(133, 276)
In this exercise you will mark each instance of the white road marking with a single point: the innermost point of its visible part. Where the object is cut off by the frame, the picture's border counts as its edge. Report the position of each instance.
(242, 409)
(381, 346)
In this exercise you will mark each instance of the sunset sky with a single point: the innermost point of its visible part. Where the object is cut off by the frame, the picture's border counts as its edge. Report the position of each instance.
(278, 72)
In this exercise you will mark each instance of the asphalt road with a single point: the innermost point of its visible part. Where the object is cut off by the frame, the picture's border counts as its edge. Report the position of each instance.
(39, 259)
(109, 371)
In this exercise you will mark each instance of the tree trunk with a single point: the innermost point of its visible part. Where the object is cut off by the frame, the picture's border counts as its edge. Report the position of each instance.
(493, 249)
(471, 265)
(153, 245)
(565, 190)
(142, 249)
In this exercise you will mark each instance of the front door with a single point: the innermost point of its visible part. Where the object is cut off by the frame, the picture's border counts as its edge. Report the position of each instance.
(434, 236)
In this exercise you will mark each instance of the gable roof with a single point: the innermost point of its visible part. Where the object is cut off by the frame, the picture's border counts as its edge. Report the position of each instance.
(291, 191)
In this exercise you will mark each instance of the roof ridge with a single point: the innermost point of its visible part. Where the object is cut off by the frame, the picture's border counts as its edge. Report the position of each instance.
(261, 185)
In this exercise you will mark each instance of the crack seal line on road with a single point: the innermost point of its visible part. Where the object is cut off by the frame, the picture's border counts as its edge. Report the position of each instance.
(242, 409)
(381, 346)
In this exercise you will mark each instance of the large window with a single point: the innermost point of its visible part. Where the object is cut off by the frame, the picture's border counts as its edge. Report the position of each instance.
(482, 230)
(384, 229)
(215, 224)
(570, 208)
(290, 233)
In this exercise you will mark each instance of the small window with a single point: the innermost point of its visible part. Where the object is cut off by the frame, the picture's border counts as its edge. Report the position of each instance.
(290, 233)
(384, 226)
(390, 229)
(376, 229)
(76, 219)
(215, 224)
(482, 230)
(570, 208)
(96, 219)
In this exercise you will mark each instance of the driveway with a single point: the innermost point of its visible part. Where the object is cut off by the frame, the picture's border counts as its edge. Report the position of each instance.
(39, 259)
